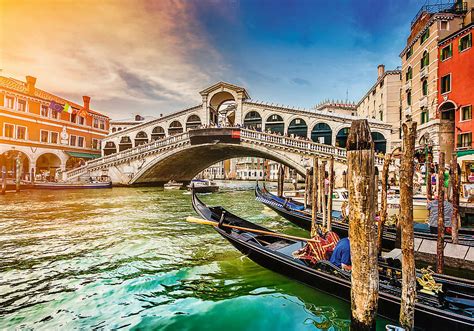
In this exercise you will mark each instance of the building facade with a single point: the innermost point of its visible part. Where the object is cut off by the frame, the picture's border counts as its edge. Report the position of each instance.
(420, 63)
(456, 91)
(337, 107)
(382, 102)
(123, 124)
(47, 132)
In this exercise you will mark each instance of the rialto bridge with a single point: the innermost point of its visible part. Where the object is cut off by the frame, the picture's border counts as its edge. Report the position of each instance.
(227, 124)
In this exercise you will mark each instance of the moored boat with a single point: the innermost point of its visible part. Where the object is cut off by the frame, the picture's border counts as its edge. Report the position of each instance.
(203, 186)
(92, 183)
(173, 185)
(453, 309)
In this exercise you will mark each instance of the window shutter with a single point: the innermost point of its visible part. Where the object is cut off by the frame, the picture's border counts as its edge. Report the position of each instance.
(469, 40)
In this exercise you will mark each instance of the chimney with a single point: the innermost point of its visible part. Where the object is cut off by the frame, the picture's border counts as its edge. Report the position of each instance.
(30, 84)
(87, 101)
(380, 70)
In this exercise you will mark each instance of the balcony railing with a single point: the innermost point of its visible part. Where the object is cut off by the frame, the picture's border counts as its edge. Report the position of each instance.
(424, 102)
(407, 86)
(454, 7)
(423, 72)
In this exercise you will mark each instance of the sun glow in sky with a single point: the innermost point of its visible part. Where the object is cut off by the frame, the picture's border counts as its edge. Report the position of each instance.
(153, 57)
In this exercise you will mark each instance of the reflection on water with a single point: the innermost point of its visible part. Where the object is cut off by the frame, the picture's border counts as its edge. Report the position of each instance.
(125, 258)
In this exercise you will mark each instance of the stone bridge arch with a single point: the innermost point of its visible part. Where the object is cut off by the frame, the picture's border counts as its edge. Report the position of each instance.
(183, 164)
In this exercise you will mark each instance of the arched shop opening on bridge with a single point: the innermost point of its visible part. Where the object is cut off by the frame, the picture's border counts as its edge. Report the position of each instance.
(193, 122)
(322, 134)
(141, 138)
(380, 143)
(341, 137)
(110, 148)
(298, 128)
(8, 160)
(175, 128)
(253, 121)
(222, 109)
(125, 143)
(158, 133)
(47, 166)
(275, 124)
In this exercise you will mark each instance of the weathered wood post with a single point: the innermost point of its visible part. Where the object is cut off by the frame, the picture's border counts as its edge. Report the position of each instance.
(314, 197)
(18, 173)
(307, 182)
(362, 231)
(322, 185)
(383, 202)
(440, 242)
(455, 185)
(280, 182)
(344, 179)
(376, 188)
(407, 304)
(4, 179)
(331, 189)
(429, 189)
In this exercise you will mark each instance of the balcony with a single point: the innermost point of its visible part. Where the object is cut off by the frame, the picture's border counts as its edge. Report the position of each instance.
(407, 86)
(424, 102)
(451, 6)
(407, 111)
(424, 72)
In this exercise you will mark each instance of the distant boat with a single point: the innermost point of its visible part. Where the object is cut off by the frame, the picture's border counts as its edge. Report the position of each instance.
(203, 186)
(173, 185)
(73, 185)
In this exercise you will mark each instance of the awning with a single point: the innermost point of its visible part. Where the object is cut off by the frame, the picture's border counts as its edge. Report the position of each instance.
(465, 152)
(83, 155)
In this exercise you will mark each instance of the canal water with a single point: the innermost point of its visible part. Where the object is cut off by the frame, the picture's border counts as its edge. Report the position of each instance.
(125, 258)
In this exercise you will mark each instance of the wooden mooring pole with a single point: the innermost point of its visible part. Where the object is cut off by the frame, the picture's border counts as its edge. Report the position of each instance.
(407, 304)
(440, 242)
(455, 186)
(383, 202)
(429, 188)
(314, 197)
(331, 189)
(280, 181)
(4, 180)
(18, 173)
(322, 186)
(307, 190)
(362, 231)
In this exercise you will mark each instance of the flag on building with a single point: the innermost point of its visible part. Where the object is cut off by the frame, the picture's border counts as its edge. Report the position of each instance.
(55, 106)
(67, 108)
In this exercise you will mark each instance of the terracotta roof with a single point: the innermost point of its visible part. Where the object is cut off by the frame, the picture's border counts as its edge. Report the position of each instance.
(18, 86)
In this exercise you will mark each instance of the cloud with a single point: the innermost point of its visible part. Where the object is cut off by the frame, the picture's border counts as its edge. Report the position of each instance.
(147, 52)
(301, 81)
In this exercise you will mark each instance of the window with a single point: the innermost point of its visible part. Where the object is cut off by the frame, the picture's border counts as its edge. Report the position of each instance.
(54, 137)
(409, 98)
(73, 118)
(8, 130)
(21, 132)
(21, 105)
(465, 42)
(72, 140)
(102, 124)
(424, 36)
(44, 110)
(425, 87)
(44, 136)
(409, 74)
(465, 140)
(80, 120)
(444, 25)
(446, 84)
(425, 60)
(447, 52)
(95, 143)
(381, 115)
(466, 113)
(96, 123)
(424, 117)
(80, 141)
(409, 53)
(9, 102)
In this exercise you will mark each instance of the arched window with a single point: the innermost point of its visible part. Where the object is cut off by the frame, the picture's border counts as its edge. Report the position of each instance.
(425, 87)
(380, 143)
(157, 133)
(253, 121)
(141, 138)
(193, 122)
(114, 129)
(409, 98)
(341, 137)
(447, 110)
(275, 124)
(322, 134)
(175, 128)
(409, 74)
(110, 148)
(425, 60)
(125, 143)
(298, 127)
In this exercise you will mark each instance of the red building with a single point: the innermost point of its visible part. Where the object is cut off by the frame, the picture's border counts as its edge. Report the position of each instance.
(456, 91)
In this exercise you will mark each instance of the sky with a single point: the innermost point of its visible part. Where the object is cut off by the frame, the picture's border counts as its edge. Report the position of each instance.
(153, 57)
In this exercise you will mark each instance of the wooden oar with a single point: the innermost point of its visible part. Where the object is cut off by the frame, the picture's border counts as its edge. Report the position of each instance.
(206, 222)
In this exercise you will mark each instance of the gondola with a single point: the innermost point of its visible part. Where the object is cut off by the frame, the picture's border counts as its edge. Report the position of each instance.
(296, 214)
(453, 310)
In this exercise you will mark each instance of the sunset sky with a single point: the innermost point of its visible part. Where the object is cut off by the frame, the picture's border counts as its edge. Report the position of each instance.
(152, 57)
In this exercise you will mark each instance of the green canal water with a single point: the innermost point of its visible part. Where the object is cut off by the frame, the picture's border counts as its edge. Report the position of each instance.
(125, 258)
